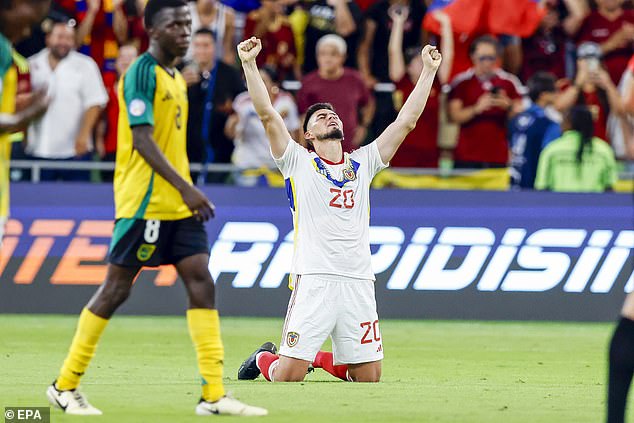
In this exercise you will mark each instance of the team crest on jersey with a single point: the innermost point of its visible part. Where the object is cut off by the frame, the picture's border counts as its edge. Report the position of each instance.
(136, 107)
(349, 171)
(349, 174)
(145, 251)
(292, 338)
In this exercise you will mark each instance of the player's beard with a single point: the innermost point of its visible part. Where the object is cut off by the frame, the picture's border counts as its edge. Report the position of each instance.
(336, 133)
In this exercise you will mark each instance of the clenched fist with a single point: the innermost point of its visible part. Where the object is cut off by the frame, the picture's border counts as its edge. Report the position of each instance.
(431, 57)
(249, 49)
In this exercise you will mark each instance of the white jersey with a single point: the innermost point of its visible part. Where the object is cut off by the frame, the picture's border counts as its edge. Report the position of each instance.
(331, 210)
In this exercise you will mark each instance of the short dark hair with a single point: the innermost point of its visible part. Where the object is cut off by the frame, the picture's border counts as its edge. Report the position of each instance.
(540, 82)
(206, 31)
(153, 7)
(484, 39)
(312, 109)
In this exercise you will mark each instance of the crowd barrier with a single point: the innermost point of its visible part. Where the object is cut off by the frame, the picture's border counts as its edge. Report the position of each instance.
(436, 254)
(403, 178)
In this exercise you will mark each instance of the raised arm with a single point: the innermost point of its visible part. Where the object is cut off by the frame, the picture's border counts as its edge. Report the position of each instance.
(344, 21)
(389, 141)
(577, 12)
(273, 123)
(446, 46)
(396, 63)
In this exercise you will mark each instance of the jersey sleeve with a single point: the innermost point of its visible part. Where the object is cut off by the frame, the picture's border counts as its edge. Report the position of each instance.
(6, 59)
(139, 87)
(288, 162)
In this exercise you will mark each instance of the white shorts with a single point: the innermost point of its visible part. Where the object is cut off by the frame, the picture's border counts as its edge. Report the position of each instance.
(336, 306)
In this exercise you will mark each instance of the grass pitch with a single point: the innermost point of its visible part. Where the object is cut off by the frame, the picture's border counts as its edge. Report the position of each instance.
(453, 372)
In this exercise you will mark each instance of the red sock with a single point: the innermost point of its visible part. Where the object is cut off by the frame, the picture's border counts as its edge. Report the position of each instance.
(324, 360)
(265, 360)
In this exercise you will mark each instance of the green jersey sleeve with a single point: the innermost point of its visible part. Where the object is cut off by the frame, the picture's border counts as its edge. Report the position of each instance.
(6, 58)
(139, 87)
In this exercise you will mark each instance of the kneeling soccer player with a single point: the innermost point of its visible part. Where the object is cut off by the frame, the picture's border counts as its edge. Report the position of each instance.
(329, 190)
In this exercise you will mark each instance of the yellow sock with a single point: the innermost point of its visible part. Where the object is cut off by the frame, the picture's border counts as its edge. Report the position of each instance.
(204, 329)
(82, 349)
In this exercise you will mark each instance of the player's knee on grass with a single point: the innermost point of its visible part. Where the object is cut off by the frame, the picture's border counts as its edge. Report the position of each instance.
(290, 370)
(366, 372)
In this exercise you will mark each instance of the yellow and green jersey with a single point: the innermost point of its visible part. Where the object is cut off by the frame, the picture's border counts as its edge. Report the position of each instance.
(8, 91)
(559, 171)
(151, 95)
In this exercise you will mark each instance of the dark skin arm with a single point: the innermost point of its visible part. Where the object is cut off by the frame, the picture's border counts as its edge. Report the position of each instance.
(144, 143)
(17, 121)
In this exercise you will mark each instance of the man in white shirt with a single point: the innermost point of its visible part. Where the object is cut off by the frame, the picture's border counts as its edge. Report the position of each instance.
(65, 131)
(331, 274)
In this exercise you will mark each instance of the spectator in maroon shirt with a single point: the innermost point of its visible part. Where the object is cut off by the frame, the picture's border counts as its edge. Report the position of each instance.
(545, 51)
(612, 27)
(420, 148)
(269, 24)
(343, 87)
(481, 100)
(136, 30)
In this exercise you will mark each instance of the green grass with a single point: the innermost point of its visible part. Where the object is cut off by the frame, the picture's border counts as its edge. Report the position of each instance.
(452, 372)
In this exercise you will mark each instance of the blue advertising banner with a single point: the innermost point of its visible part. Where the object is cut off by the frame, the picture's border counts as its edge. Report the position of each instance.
(466, 255)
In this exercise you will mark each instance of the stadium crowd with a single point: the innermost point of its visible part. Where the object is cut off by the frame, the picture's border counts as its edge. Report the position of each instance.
(551, 96)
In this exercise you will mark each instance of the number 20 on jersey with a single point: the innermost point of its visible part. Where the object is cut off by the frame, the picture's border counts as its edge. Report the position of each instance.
(342, 199)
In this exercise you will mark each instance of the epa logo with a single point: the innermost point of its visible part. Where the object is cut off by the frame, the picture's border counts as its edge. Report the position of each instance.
(27, 414)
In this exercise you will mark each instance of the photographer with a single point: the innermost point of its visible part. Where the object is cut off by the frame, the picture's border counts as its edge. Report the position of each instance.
(593, 88)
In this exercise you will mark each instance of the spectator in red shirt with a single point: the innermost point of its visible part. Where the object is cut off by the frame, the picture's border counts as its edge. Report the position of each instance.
(102, 27)
(420, 148)
(481, 100)
(269, 24)
(106, 132)
(136, 30)
(372, 55)
(612, 27)
(343, 87)
(594, 88)
(545, 51)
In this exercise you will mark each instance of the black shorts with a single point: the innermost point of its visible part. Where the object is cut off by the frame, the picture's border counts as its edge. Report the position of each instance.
(138, 242)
